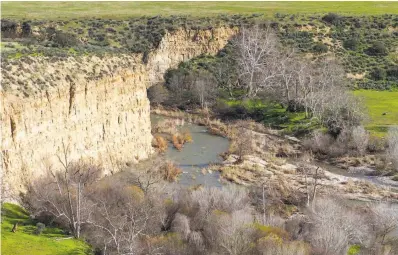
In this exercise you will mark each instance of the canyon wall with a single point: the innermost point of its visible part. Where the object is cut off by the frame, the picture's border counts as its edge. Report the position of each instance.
(86, 107)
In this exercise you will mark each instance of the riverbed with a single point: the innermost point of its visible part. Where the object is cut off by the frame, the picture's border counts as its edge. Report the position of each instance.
(205, 149)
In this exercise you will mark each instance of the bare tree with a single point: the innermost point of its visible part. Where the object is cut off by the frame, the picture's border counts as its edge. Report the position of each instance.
(392, 150)
(317, 87)
(123, 215)
(335, 227)
(204, 88)
(256, 58)
(64, 194)
(147, 175)
(384, 219)
(231, 234)
(242, 141)
(181, 225)
(270, 246)
(286, 82)
(360, 138)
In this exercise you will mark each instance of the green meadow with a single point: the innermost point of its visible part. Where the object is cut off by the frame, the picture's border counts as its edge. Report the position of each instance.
(382, 107)
(24, 241)
(118, 10)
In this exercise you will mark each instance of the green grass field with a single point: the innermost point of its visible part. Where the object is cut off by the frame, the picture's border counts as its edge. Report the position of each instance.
(25, 242)
(376, 102)
(379, 102)
(275, 116)
(115, 10)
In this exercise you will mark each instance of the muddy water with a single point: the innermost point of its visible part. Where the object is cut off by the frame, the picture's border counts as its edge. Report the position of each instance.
(197, 155)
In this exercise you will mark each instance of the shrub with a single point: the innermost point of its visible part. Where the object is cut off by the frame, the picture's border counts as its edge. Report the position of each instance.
(242, 140)
(157, 94)
(161, 143)
(39, 228)
(64, 39)
(170, 171)
(360, 139)
(350, 44)
(377, 49)
(8, 28)
(26, 29)
(354, 250)
(332, 234)
(187, 136)
(167, 126)
(320, 48)
(378, 74)
(332, 18)
(180, 225)
(179, 140)
(393, 72)
(319, 142)
(392, 151)
(376, 144)
(263, 231)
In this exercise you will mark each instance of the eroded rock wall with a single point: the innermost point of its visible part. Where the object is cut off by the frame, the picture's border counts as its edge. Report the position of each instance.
(105, 118)
(183, 45)
(95, 107)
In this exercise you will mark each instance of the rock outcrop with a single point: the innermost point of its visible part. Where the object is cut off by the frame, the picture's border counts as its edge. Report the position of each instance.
(89, 106)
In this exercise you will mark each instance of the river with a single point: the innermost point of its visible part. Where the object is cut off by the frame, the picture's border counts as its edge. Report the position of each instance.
(205, 149)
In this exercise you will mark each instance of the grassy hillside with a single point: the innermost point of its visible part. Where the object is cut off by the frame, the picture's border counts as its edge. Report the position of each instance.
(24, 241)
(59, 10)
(382, 108)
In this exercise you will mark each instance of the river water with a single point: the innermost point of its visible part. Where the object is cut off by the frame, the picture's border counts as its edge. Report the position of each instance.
(205, 149)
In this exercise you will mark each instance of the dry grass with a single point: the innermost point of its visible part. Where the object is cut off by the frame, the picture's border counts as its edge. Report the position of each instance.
(177, 141)
(240, 175)
(160, 143)
(215, 126)
(170, 171)
(167, 126)
(187, 136)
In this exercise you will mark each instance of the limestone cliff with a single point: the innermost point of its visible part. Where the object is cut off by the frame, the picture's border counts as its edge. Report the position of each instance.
(95, 106)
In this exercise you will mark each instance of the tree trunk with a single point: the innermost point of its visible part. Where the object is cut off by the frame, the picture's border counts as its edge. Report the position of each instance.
(315, 184)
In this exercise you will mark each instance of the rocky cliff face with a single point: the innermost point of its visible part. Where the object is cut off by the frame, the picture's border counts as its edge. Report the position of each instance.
(86, 107)
(183, 45)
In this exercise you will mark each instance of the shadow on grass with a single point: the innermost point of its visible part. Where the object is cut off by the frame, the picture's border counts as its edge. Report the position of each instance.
(78, 251)
(295, 123)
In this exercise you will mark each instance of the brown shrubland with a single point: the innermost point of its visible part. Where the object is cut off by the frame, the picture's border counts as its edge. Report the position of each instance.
(135, 212)
(160, 143)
